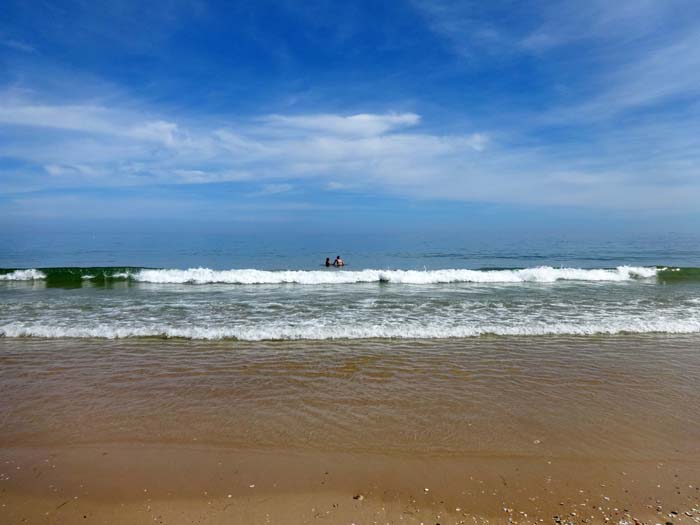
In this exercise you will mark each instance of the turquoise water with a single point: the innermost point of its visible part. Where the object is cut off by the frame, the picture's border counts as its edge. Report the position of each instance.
(228, 287)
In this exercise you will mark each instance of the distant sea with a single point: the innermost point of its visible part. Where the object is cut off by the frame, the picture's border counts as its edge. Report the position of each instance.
(224, 286)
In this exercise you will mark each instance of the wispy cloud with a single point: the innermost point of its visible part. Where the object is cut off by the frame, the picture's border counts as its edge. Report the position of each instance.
(599, 109)
(364, 124)
(273, 189)
(383, 152)
(597, 21)
(469, 27)
(94, 141)
(18, 45)
(88, 119)
(608, 56)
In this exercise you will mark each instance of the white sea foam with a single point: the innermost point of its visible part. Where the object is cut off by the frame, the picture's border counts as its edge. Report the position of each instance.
(365, 331)
(542, 274)
(23, 275)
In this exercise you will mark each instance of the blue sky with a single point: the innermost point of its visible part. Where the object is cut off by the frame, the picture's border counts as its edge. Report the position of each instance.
(268, 115)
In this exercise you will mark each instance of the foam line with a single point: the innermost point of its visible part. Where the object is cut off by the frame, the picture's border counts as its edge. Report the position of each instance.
(542, 274)
(367, 331)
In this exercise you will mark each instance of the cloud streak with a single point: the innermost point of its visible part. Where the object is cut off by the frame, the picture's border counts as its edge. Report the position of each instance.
(601, 110)
(389, 153)
(97, 142)
(18, 45)
(361, 125)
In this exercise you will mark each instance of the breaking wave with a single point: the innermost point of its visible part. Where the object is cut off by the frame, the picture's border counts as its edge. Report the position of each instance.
(22, 275)
(367, 331)
(541, 274)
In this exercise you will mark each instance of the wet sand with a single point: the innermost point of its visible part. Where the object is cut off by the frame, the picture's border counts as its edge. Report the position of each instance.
(526, 430)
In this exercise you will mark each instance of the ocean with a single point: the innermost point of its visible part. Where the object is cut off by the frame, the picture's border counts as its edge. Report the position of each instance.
(249, 288)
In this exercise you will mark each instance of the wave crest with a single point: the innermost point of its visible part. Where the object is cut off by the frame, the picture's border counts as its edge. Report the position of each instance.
(23, 275)
(361, 331)
(542, 274)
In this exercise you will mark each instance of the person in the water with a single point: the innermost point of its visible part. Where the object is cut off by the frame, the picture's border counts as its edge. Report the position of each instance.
(338, 262)
(328, 262)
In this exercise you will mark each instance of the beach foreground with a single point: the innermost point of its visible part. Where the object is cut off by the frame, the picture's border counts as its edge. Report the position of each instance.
(527, 430)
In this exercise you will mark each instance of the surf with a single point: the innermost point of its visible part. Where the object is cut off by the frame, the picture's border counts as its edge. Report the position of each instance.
(418, 331)
(539, 274)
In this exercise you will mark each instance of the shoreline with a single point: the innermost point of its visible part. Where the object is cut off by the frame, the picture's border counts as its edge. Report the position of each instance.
(507, 430)
(130, 483)
(235, 343)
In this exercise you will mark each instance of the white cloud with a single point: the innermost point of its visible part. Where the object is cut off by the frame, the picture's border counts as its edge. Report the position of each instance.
(338, 186)
(273, 189)
(157, 131)
(59, 170)
(463, 26)
(619, 149)
(89, 119)
(194, 176)
(663, 72)
(379, 153)
(361, 125)
(564, 23)
(618, 56)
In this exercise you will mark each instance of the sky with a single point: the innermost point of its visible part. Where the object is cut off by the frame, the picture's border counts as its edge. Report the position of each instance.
(272, 115)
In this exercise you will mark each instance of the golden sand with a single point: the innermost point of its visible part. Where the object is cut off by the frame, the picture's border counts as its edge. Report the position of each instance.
(587, 430)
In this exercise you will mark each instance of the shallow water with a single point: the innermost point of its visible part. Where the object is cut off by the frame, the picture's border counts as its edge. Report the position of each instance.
(316, 305)
(597, 396)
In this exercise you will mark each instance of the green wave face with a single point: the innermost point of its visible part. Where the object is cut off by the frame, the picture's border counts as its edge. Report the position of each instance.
(75, 277)
(678, 275)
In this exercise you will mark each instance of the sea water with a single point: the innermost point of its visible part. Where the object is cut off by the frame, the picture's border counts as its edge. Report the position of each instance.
(224, 286)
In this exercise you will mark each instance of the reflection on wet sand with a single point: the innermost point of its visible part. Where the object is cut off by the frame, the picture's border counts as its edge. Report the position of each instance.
(484, 424)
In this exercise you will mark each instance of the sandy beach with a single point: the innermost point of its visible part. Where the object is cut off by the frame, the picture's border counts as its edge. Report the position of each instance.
(191, 484)
(467, 431)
